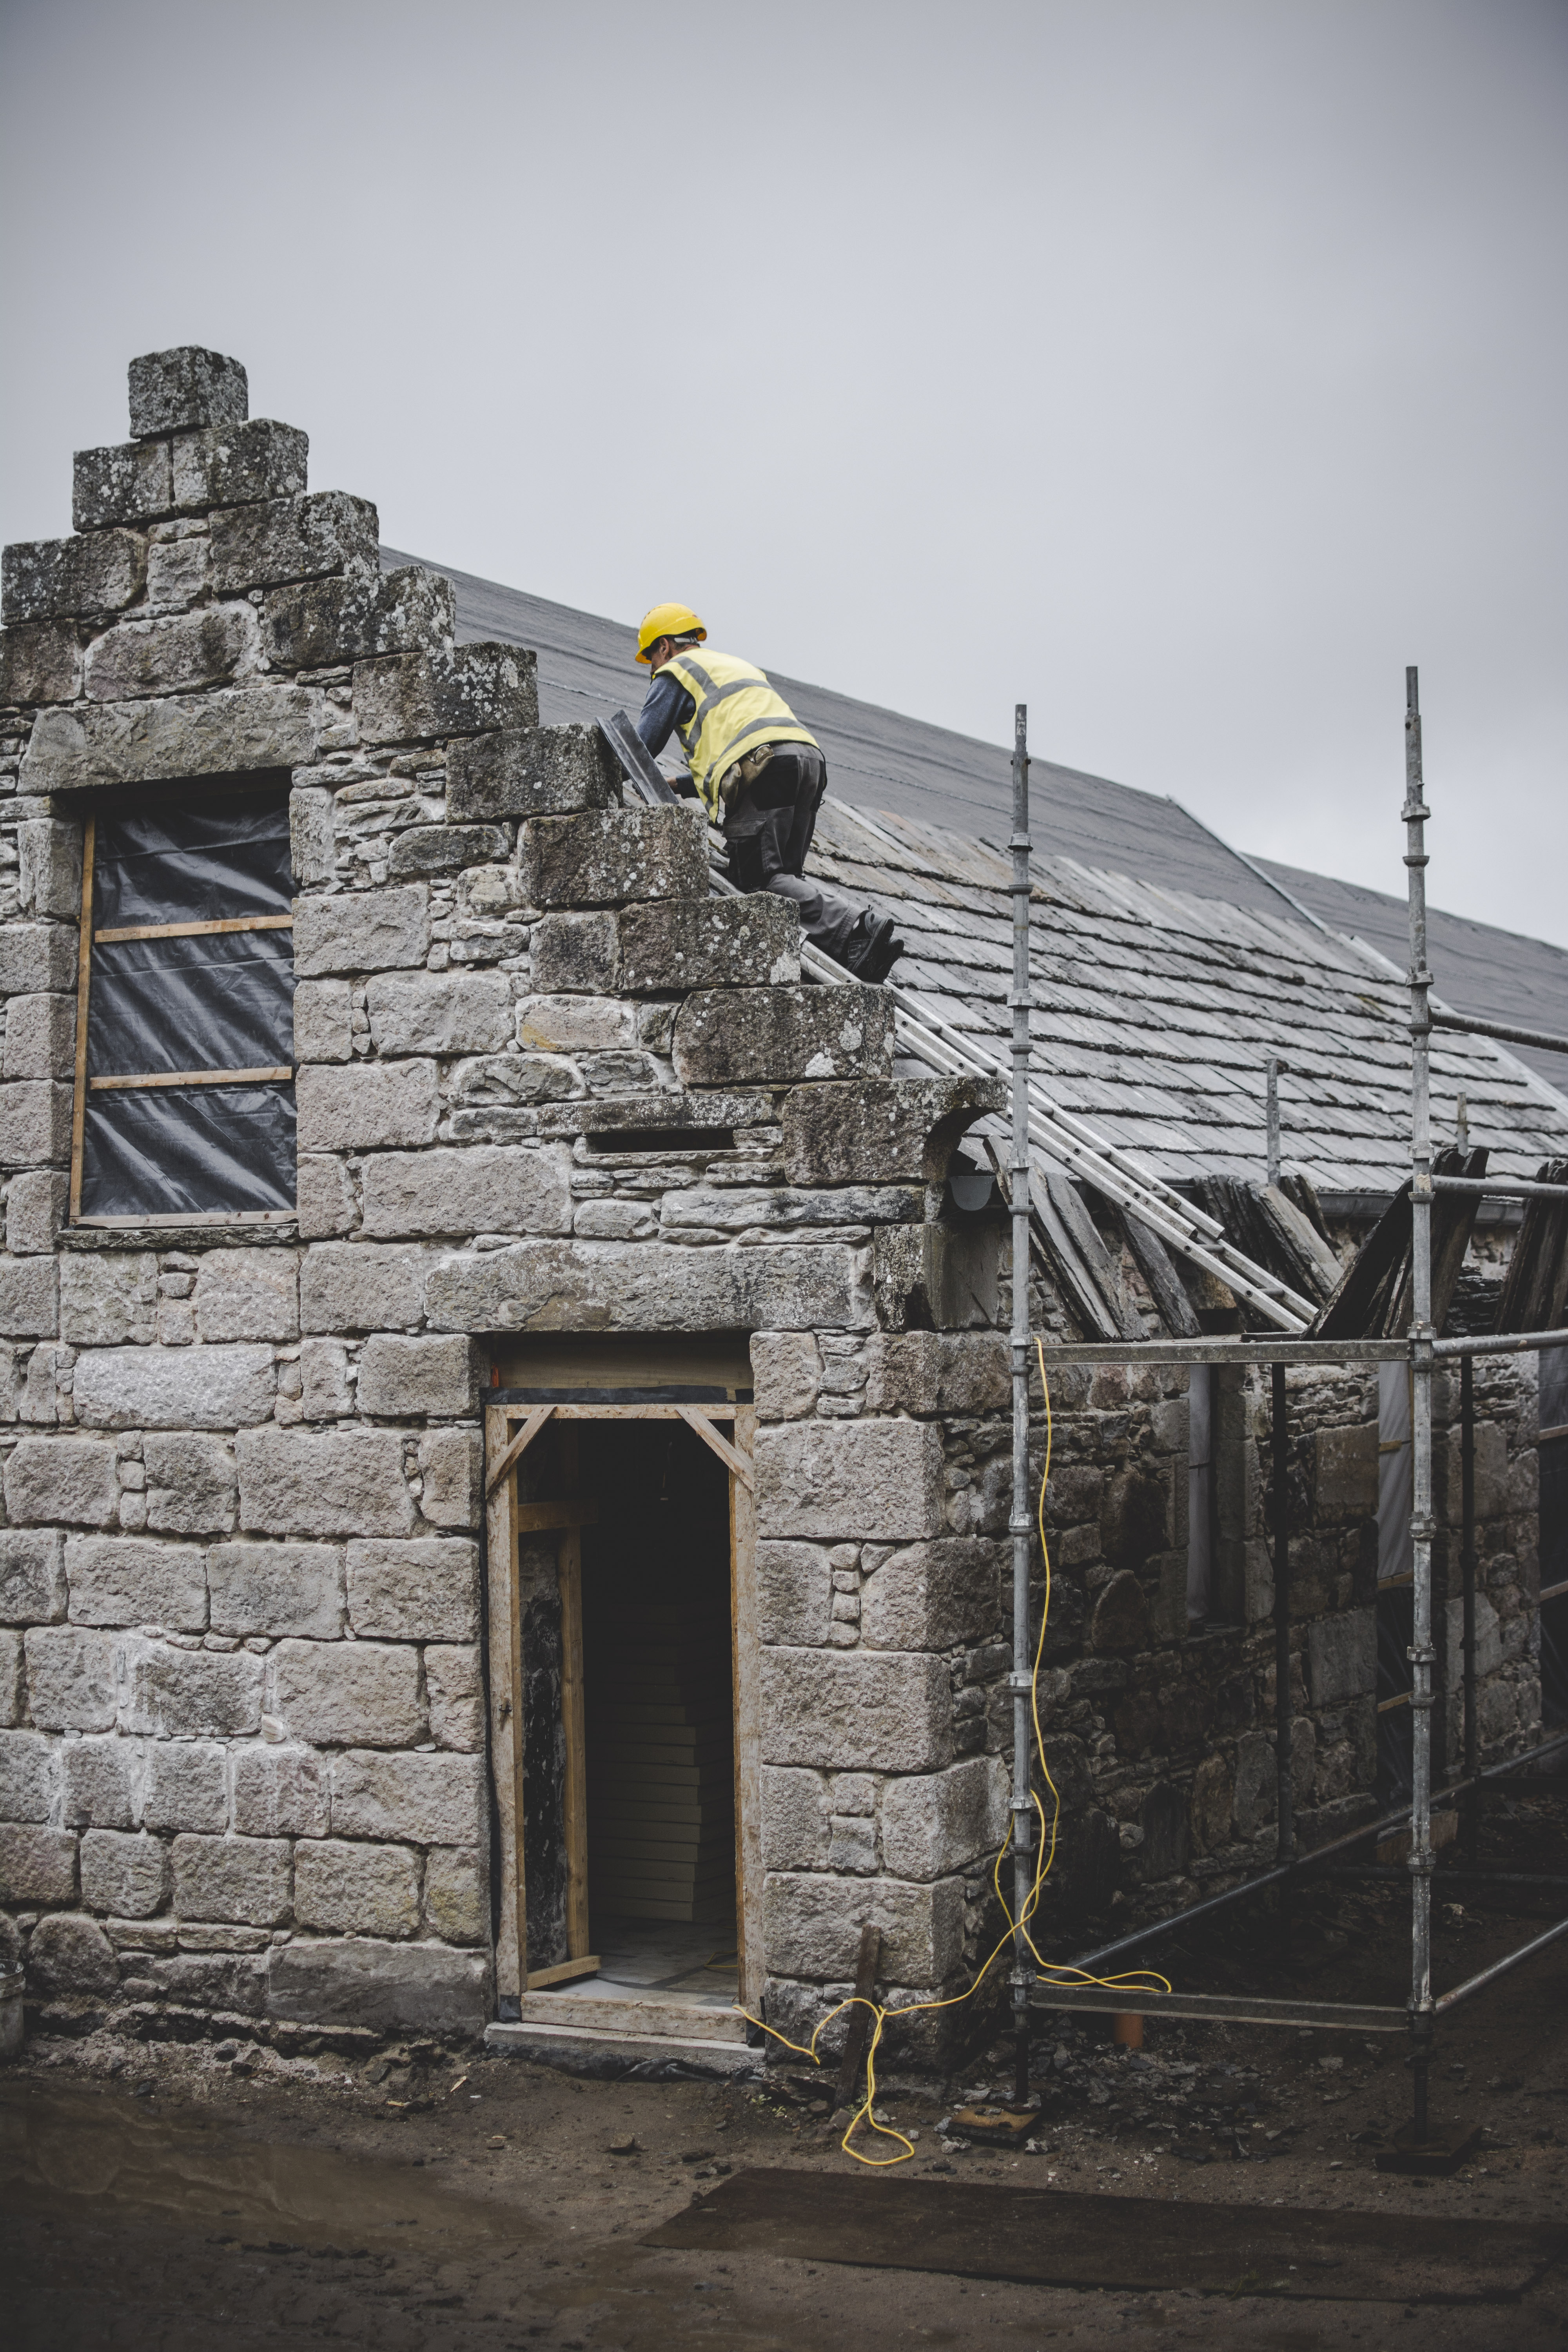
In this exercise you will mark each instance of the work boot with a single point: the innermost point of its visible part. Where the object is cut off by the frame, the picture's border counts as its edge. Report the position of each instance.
(872, 950)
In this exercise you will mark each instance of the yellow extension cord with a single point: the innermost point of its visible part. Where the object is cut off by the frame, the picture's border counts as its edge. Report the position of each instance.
(1141, 1979)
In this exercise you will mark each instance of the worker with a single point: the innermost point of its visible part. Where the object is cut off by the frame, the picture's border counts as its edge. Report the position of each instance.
(760, 776)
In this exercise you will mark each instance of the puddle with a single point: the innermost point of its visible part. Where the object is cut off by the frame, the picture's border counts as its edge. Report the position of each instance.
(61, 2144)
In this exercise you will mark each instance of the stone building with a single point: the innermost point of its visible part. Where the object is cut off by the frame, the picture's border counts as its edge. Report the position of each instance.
(506, 1425)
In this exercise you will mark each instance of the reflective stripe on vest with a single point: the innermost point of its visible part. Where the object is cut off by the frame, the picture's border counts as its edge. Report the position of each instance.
(737, 712)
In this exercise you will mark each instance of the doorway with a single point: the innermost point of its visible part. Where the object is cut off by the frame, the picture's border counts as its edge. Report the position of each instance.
(623, 1718)
(659, 1689)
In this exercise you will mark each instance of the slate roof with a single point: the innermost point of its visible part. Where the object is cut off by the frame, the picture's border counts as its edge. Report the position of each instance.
(1498, 975)
(1157, 1004)
(1156, 1011)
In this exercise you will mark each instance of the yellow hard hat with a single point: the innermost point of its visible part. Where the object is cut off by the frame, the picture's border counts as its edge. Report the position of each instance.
(667, 621)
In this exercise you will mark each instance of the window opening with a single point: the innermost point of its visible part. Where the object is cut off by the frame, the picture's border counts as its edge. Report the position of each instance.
(185, 1071)
(1553, 1536)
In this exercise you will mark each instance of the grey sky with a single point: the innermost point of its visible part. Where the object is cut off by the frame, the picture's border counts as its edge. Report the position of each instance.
(1184, 367)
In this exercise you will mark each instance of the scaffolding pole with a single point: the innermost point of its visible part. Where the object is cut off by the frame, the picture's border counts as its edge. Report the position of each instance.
(1021, 1680)
(1422, 1527)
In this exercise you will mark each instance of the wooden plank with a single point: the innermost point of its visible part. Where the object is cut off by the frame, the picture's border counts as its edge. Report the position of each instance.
(504, 1719)
(1093, 1254)
(83, 985)
(1165, 1284)
(1236, 2008)
(519, 1729)
(539, 1518)
(1356, 1309)
(563, 1972)
(1254, 1349)
(574, 1807)
(695, 1417)
(1537, 1280)
(193, 1079)
(192, 930)
(1050, 1246)
(622, 1411)
(746, 1669)
(860, 2019)
(538, 1416)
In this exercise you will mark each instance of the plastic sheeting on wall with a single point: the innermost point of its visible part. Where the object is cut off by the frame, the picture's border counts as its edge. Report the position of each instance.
(222, 1002)
(208, 865)
(211, 1000)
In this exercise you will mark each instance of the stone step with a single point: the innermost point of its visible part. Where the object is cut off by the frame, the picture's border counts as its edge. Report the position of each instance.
(672, 944)
(610, 857)
(783, 1036)
(603, 2013)
(561, 2041)
(524, 772)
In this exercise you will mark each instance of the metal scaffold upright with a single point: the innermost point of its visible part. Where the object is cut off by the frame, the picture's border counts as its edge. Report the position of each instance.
(1019, 1523)
(1422, 1527)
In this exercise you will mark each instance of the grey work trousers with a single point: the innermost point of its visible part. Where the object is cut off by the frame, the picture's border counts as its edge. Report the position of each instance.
(767, 833)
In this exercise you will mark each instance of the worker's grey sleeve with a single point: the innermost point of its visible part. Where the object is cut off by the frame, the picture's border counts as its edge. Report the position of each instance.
(668, 706)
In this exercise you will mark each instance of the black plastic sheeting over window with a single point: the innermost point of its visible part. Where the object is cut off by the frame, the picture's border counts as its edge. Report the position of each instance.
(211, 1000)
(210, 865)
(224, 1001)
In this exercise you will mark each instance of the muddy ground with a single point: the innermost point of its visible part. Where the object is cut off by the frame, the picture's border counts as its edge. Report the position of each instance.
(187, 2196)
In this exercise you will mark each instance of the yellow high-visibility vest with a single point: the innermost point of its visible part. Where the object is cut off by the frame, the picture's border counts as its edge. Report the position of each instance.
(737, 712)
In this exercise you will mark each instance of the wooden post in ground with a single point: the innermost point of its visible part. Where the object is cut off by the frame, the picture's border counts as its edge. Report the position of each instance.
(860, 2032)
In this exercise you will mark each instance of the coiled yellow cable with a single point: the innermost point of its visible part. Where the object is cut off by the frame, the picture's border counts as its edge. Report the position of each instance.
(1056, 1973)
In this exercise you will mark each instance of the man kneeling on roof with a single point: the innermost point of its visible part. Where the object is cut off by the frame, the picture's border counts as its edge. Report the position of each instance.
(760, 776)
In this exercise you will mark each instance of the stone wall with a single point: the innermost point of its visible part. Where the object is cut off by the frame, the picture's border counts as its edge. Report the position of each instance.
(545, 1082)
(883, 1488)
(1162, 1741)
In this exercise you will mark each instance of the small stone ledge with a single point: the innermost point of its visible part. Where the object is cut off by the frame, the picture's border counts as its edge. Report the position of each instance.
(651, 1114)
(105, 1240)
(166, 2020)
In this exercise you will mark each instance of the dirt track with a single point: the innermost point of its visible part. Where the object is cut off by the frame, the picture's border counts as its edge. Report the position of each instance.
(163, 2196)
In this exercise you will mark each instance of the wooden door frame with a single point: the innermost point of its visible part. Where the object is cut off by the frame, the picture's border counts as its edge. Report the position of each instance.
(510, 1427)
